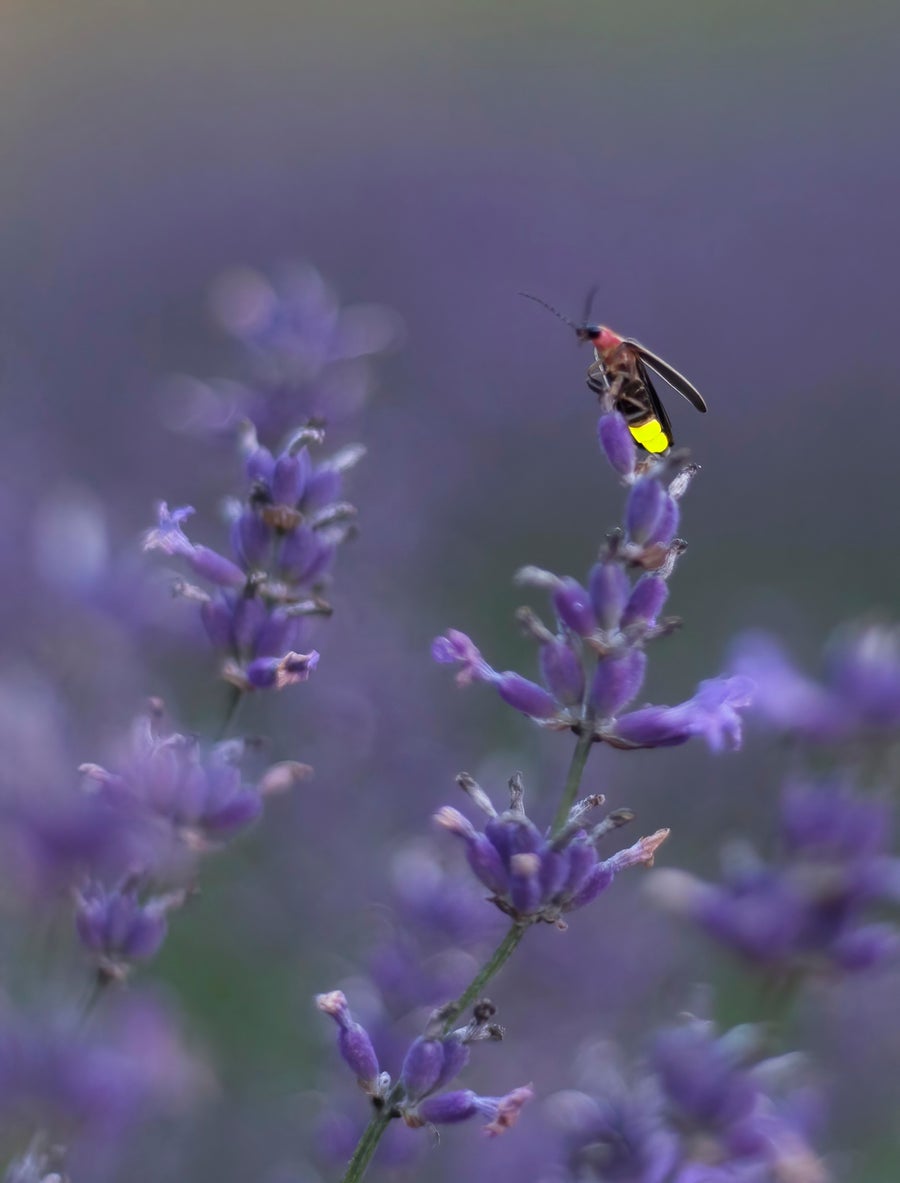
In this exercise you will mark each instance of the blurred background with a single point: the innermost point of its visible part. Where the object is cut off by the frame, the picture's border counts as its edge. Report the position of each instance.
(728, 175)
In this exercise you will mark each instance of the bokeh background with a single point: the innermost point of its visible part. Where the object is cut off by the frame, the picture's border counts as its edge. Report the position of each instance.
(728, 175)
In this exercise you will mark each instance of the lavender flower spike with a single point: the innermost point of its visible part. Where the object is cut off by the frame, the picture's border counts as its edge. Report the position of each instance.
(354, 1044)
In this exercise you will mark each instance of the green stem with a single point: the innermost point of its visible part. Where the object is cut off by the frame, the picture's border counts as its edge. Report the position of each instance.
(492, 966)
(235, 698)
(375, 1130)
(573, 780)
(368, 1143)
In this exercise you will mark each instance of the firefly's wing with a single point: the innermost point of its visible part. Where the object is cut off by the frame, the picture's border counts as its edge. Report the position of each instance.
(659, 410)
(676, 381)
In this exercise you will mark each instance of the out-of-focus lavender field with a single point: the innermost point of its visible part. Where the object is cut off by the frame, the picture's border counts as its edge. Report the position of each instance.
(728, 176)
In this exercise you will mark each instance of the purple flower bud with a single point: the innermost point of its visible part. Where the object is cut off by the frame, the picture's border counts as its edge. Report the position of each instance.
(251, 538)
(582, 860)
(456, 1056)
(482, 855)
(289, 477)
(599, 878)
(215, 567)
(260, 466)
(555, 866)
(422, 1067)
(275, 673)
(615, 440)
(354, 1043)
(617, 681)
(449, 1108)
(562, 671)
(216, 617)
(664, 530)
(712, 713)
(278, 632)
(646, 601)
(525, 883)
(610, 586)
(573, 606)
(304, 555)
(525, 696)
(644, 510)
(248, 616)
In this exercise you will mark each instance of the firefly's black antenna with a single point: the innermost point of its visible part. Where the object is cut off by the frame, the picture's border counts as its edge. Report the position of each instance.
(550, 308)
(589, 302)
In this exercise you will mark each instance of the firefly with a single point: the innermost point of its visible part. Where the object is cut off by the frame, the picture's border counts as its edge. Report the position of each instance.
(620, 372)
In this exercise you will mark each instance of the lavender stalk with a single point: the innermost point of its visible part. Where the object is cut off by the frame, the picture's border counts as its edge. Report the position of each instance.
(592, 663)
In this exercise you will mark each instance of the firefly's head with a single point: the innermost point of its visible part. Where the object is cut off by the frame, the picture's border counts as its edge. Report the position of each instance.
(588, 332)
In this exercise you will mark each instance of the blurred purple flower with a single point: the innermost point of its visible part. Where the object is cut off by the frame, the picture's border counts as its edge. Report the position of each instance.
(199, 792)
(117, 928)
(859, 695)
(93, 1086)
(812, 910)
(712, 714)
(706, 1111)
(535, 877)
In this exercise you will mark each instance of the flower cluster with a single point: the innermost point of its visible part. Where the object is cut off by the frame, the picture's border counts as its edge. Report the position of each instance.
(707, 1110)
(593, 660)
(118, 927)
(812, 911)
(300, 354)
(102, 1081)
(184, 800)
(857, 700)
(533, 876)
(432, 1062)
(194, 793)
(284, 537)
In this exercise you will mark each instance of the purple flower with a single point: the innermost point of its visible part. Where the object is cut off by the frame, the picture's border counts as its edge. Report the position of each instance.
(713, 714)
(273, 673)
(502, 1112)
(119, 929)
(705, 1112)
(812, 910)
(535, 877)
(98, 1083)
(284, 537)
(859, 695)
(199, 793)
(354, 1043)
(615, 440)
(169, 537)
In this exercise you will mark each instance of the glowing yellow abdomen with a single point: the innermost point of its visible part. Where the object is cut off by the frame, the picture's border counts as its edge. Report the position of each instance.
(650, 435)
